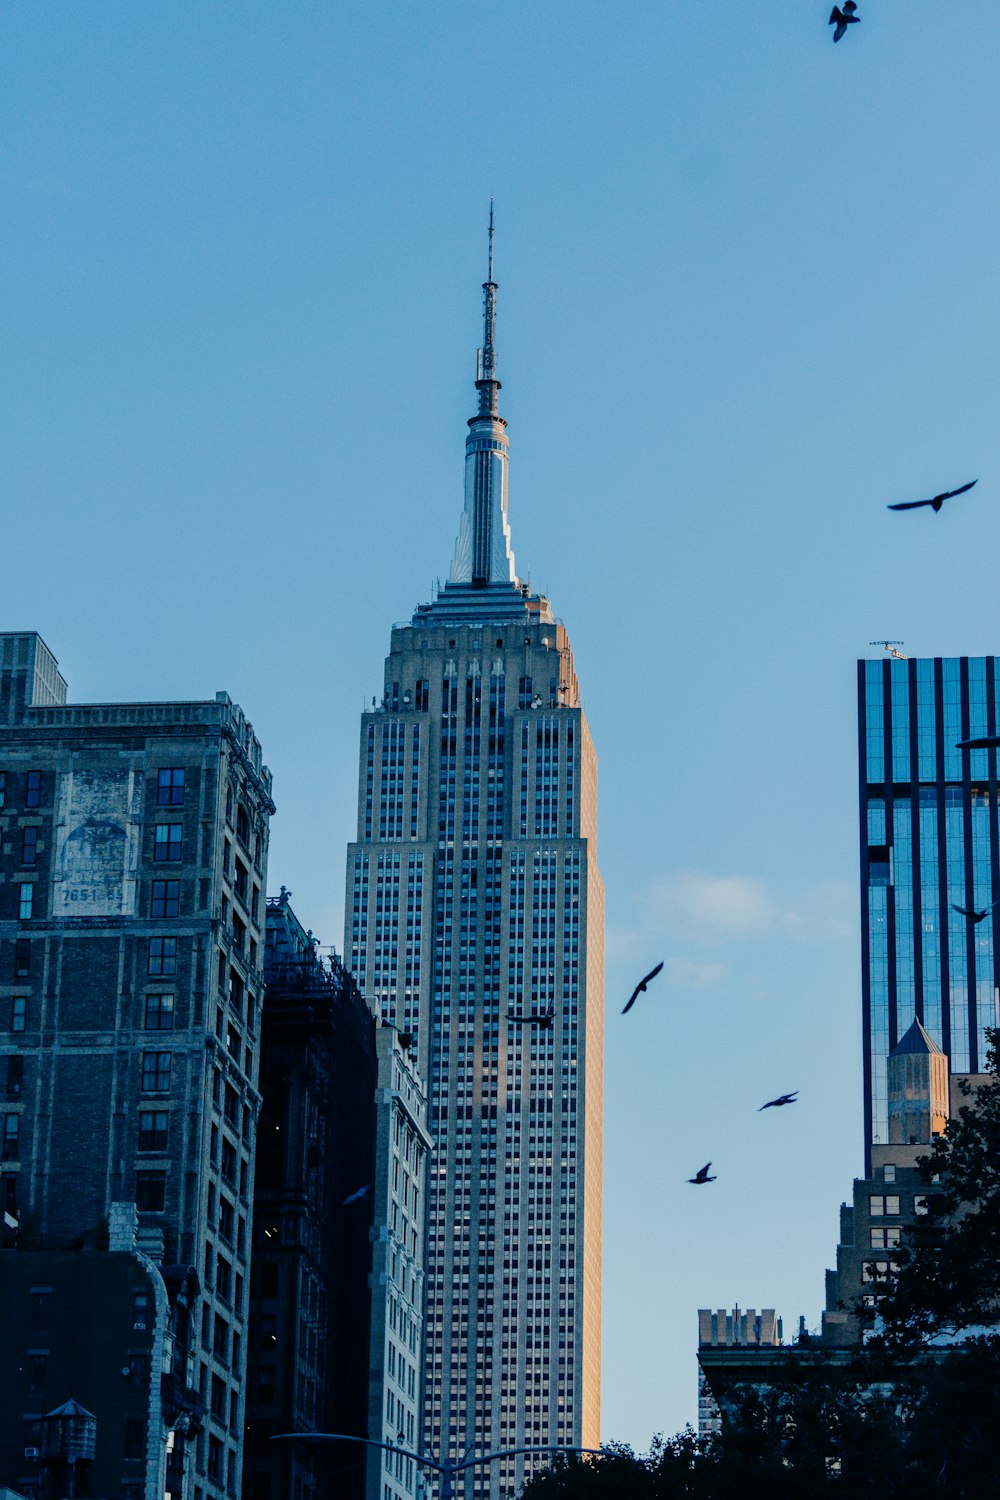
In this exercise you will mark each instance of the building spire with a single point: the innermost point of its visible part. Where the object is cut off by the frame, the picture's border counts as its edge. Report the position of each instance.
(487, 383)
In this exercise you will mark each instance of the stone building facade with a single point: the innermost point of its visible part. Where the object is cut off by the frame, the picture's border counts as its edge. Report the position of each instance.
(132, 878)
(475, 923)
(399, 1192)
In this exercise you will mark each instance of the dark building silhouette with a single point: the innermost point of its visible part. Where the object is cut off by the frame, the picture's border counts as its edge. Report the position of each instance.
(108, 1322)
(310, 1292)
(133, 855)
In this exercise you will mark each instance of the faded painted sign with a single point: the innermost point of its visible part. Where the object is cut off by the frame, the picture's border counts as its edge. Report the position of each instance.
(97, 843)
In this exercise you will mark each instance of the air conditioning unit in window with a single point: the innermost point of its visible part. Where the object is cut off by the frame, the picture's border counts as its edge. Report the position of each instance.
(31, 1452)
(139, 1323)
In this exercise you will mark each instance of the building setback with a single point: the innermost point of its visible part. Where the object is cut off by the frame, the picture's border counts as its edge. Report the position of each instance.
(310, 1299)
(131, 946)
(475, 922)
(929, 845)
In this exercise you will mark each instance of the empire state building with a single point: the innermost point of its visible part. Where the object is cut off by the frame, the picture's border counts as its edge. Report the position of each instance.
(476, 923)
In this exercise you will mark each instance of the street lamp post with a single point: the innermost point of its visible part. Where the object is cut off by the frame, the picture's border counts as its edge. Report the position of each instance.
(446, 1467)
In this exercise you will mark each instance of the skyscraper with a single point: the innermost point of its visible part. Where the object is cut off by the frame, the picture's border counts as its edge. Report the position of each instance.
(475, 921)
(930, 862)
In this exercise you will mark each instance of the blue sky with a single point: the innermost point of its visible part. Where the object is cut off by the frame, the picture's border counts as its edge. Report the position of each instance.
(747, 296)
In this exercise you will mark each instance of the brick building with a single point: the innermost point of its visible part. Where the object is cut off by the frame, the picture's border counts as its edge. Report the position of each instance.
(132, 871)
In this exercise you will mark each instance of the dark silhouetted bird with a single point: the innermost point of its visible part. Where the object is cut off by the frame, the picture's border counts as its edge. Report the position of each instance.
(641, 987)
(843, 18)
(362, 1192)
(701, 1176)
(781, 1099)
(937, 501)
(974, 915)
(984, 742)
(542, 1019)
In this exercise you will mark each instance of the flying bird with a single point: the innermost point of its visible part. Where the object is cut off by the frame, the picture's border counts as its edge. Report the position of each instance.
(843, 18)
(542, 1019)
(701, 1176)
(938, 500)
(984, 742)
(781, 1099)
(362, 1192)
(974, 915)
(641, 987)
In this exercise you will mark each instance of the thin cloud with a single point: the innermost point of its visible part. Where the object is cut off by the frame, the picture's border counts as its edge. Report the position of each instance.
(719, 906)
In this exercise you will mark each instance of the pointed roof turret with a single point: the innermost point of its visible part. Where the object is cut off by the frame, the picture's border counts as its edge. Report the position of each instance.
(915, 1039)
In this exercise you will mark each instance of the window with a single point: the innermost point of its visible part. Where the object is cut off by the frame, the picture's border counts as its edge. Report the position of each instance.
(167, 839)
(241, 881)
(889, 1172)
(27, 898)
(138, 1372)
(18, 1007)
(39, 1315)
(223, 1278)
(36, 1373)
(156, 1072)
(888, 1205)
(885, 1238)
(11, 1137)
(162, 955)
(170, 788)
(228, 1161)
(3, 787)
(153, 1126)
(878, 1270)
(140, 1309)
(227, 1217)
(22, 957)
(242, 825)
(239, 934)
(220, 1338)
(29, 846)
(135, 1438)
(921, 1204)
(166, 898)
(159, 1012)
(33, 789)
(150, 1192)
(15, 1076)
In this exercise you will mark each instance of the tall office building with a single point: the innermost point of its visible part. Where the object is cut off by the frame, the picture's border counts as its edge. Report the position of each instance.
(132, 868)
(475, 921)
(929, 846)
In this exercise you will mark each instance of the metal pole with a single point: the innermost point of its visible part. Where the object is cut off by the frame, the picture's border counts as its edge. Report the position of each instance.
(446, 1467)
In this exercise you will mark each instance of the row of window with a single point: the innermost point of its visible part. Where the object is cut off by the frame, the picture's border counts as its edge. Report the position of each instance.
(169, 787)
(32, 788)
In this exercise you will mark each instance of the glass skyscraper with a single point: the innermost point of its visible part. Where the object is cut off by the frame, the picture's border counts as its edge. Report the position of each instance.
(475, 922)
(929, 844)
